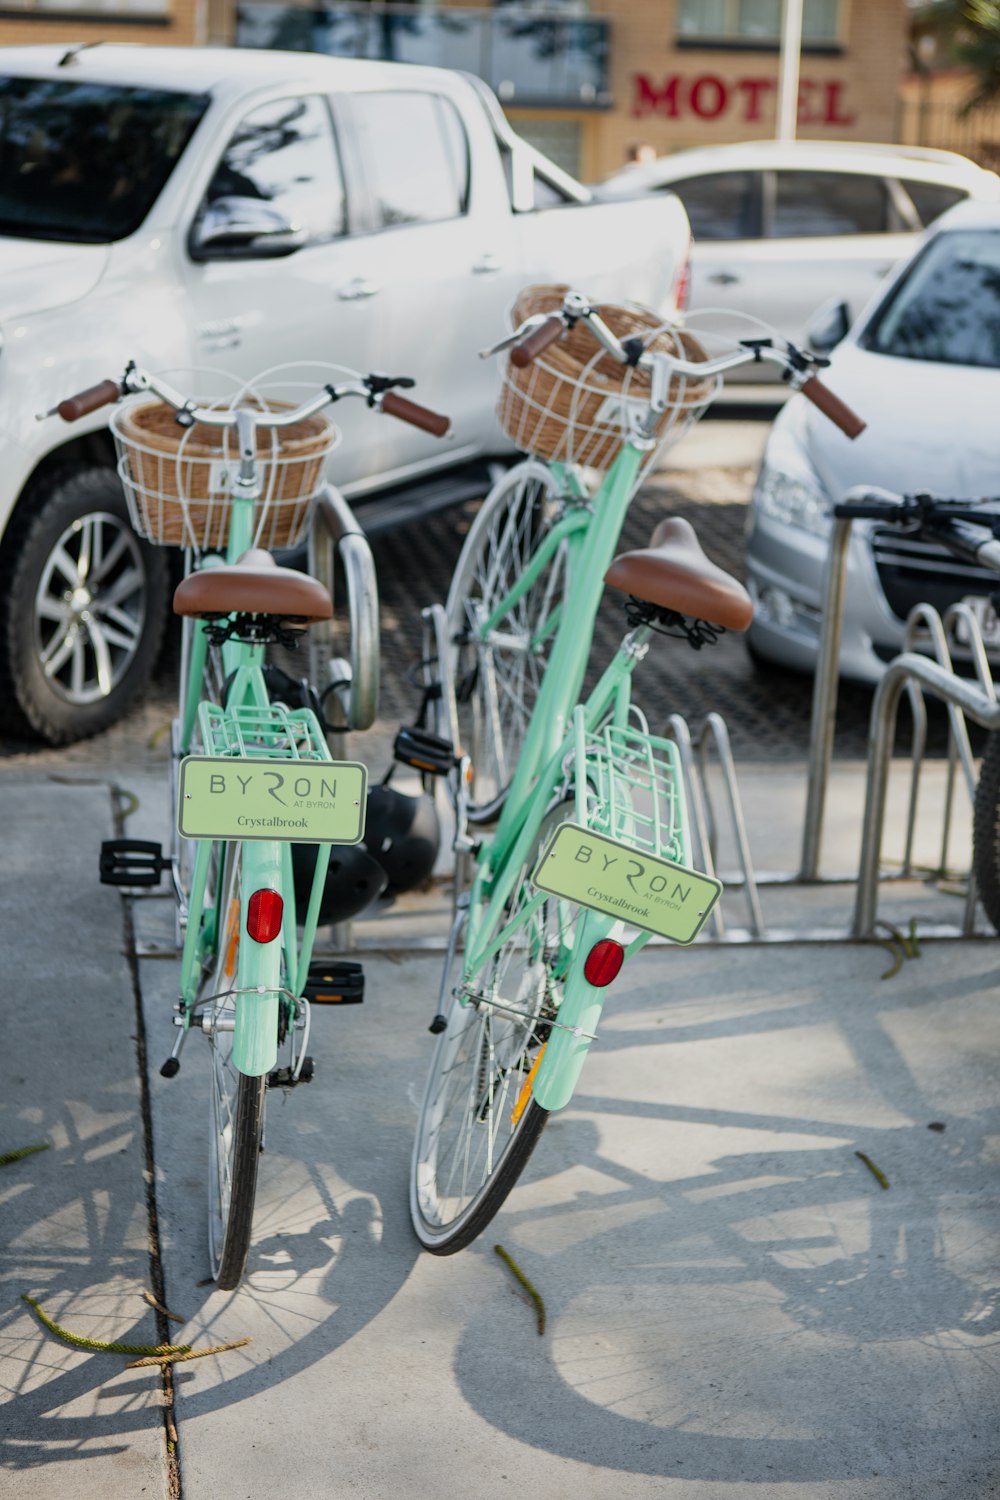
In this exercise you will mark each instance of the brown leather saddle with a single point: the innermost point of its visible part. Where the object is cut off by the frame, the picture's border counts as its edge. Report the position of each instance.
(674, 573)
(253, 585)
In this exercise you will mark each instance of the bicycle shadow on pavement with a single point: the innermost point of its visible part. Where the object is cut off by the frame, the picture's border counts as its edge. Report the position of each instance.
(731, 1295)
(331, 1241)
(78, 1244)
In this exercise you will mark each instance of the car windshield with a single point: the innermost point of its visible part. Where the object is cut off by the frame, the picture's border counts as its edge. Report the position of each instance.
(947, 308)
(85, 161)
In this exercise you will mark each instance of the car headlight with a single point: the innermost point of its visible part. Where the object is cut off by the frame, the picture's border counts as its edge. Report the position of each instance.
(791, 498)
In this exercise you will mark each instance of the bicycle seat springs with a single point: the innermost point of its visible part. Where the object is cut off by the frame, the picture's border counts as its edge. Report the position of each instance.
(668, 622)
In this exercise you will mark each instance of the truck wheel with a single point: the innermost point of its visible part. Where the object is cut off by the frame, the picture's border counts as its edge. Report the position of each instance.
(85, 607)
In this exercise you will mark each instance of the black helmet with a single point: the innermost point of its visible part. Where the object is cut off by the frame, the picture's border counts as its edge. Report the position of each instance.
(403, 834)
(353, 881)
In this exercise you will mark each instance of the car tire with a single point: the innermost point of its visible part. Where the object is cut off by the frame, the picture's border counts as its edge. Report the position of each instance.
(84, 608)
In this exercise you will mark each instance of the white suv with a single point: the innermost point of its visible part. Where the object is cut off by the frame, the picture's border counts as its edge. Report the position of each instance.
(780, 227)
(239, 209)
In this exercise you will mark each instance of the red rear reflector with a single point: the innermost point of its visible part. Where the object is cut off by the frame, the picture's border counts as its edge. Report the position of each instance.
(264, 912)
(603, 962)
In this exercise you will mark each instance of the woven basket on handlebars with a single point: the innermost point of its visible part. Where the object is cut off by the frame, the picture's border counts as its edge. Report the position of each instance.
(562, 406)
(178, 480)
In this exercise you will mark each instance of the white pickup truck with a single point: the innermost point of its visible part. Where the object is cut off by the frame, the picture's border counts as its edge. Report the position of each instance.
(236, 209)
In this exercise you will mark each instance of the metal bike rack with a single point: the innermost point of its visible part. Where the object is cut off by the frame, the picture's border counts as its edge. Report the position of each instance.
(964, 698)
(342, 534)
(693, 754)
(336, 531)
(911, 672)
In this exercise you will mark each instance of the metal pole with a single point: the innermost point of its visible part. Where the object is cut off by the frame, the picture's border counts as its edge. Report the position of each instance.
(788, 77)
(824, 708)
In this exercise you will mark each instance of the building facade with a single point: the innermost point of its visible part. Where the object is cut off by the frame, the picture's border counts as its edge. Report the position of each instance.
(588, 84)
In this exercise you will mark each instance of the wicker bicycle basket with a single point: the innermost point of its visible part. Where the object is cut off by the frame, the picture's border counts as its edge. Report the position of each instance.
(571, 404)
(178, 480)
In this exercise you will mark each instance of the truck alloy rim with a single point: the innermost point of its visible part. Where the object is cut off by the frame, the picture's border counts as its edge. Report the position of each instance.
(90, 608)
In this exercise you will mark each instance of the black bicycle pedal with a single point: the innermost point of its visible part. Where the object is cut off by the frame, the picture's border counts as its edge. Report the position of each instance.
(135, 862)
(285, 1078)
(424, 751)
(337, 982)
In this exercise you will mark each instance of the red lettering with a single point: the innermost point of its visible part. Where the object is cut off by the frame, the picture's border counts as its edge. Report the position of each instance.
(831, 115)
(717, 93)
(708, 97)
(754, 88)
(650, 100)
(805, 112)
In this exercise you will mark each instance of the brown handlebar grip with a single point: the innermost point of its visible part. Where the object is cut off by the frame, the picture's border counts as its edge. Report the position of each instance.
(831, 406)
(538, 339)
(417, 416)
(74, 407)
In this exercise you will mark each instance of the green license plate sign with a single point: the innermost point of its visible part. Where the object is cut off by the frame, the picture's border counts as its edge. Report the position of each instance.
(297, 801)
(611, 877)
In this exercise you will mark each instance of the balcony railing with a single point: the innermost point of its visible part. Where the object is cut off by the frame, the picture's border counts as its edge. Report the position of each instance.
(539, 59)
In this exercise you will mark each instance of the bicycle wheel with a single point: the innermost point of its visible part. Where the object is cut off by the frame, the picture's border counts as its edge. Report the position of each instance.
(497, 680)
(986, 831)
(237, 1105)
(475, 1131)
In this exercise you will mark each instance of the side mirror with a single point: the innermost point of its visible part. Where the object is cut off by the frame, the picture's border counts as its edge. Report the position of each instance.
(243, 226)
(828, 325)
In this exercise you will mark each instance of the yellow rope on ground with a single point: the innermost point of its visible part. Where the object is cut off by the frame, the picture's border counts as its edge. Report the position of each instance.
(98, 1346)
(179, 1359)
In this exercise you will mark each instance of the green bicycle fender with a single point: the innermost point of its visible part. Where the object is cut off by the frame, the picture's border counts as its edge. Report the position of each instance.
(255, 1039)
(579, 1013)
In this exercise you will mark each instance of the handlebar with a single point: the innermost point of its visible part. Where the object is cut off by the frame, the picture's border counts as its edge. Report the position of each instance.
(71, 408)
(375, 389)
(967, 528)
(417, 416)
(537, 334)
(830, 404)
(537, 341)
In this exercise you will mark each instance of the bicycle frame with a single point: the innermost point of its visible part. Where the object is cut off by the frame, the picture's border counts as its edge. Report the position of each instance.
(591, 534)
(266, 864)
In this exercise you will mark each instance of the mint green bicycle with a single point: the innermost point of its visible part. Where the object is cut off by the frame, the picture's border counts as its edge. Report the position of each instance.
(590, 855)
(252, 776)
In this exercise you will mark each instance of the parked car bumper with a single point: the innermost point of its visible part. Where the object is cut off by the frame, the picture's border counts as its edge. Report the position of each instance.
(785, 571)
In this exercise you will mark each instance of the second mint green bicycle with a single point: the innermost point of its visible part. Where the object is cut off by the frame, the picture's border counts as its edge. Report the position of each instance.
(590, 854)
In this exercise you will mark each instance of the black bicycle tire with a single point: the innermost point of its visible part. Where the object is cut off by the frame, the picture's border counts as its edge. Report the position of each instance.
(247, 1138)
(515, 1158)
(460, 1231)
(986, 831)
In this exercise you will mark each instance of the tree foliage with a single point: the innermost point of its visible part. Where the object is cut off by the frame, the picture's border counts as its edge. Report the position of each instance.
(968, 35)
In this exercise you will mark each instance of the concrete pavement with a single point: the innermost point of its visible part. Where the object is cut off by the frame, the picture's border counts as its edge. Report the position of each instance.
(735, 1306)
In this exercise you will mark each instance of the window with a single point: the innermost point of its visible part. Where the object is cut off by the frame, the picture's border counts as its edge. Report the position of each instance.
(284, 153)
(415, 154)
(931, 199)
(821, 203)
(85, 162)
(947, 308)
(753, 20)
(721, 205)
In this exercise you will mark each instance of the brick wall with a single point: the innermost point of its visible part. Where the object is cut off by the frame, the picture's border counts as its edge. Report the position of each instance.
(673, 97)
(183, 23)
